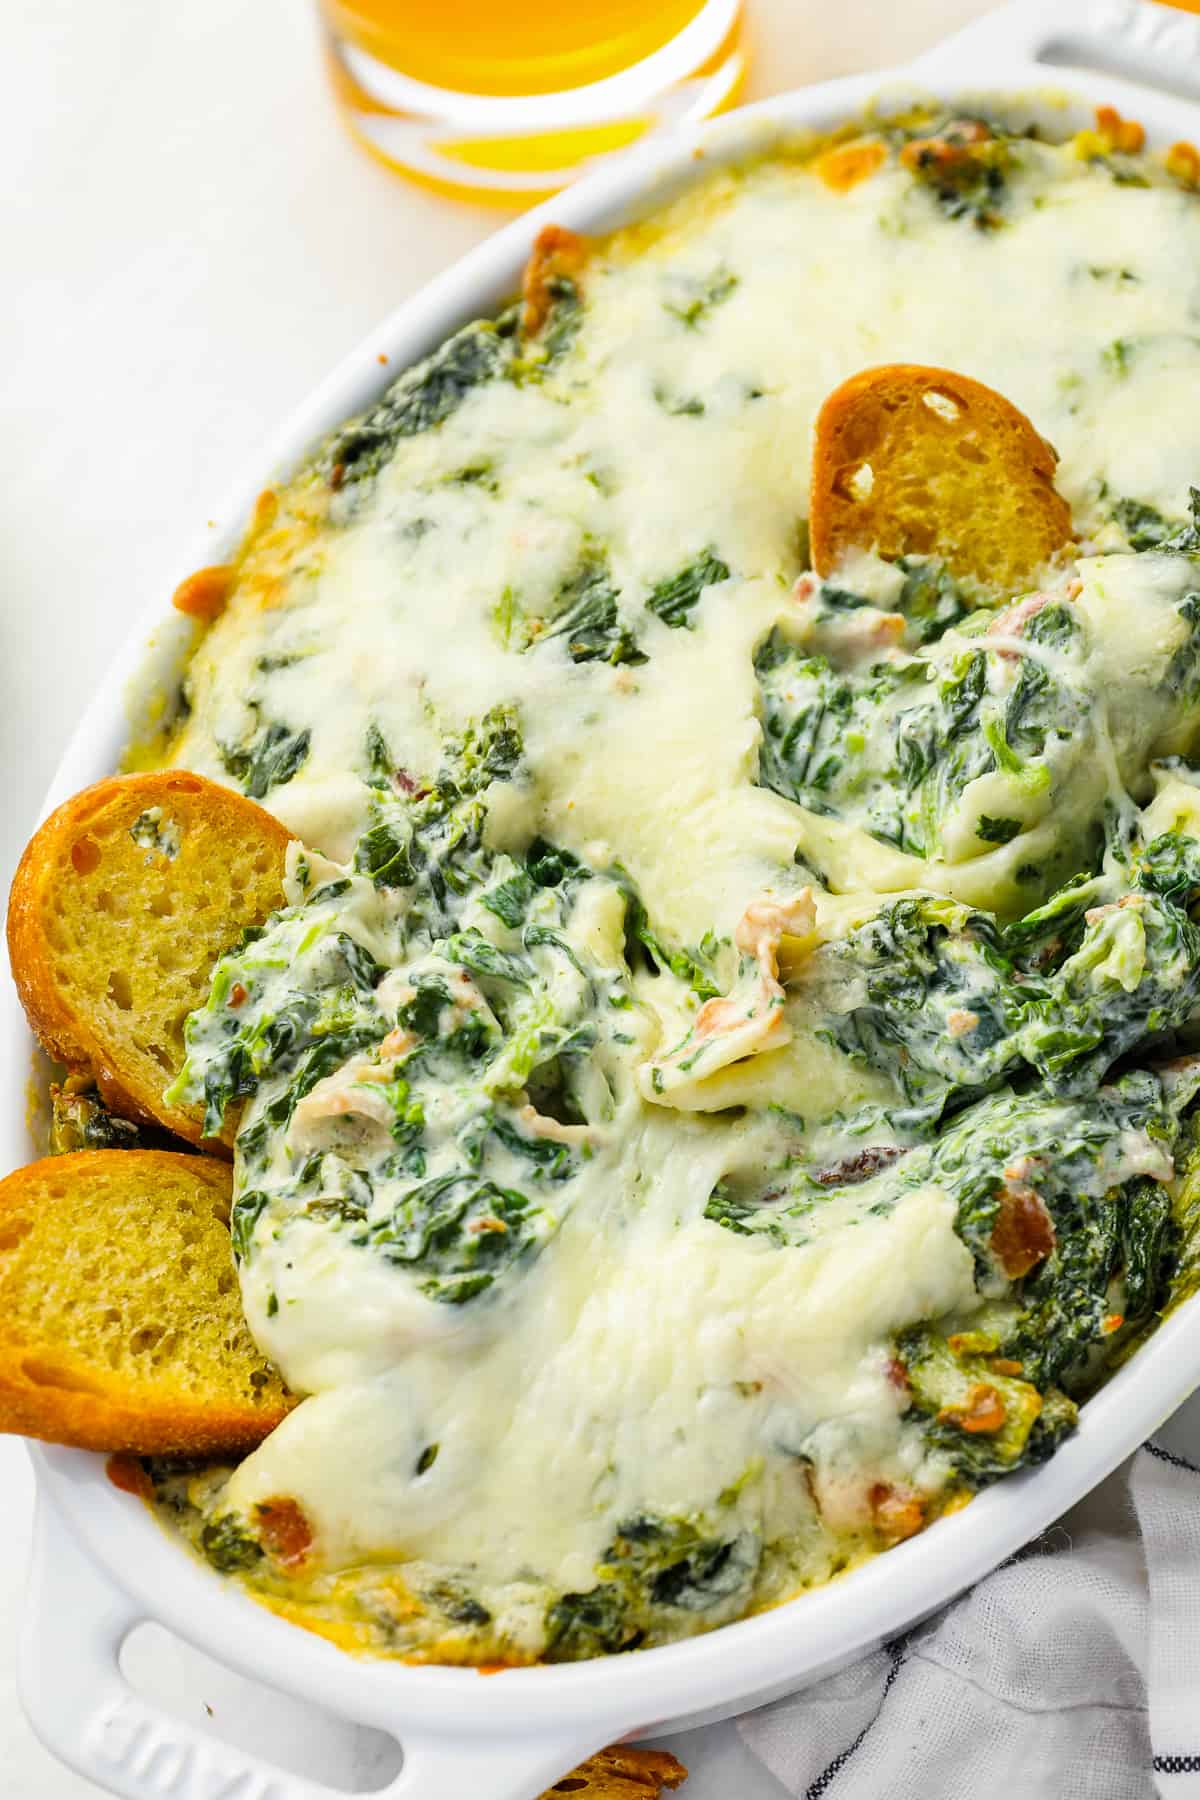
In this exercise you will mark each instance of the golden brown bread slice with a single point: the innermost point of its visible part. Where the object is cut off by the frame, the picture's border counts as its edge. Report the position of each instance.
(909, 460)
(121, 1323)
(621, 1773)
(122, 902)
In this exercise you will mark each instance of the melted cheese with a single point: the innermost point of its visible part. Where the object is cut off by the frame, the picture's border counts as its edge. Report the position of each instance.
(651, 1359)
(650, 1363)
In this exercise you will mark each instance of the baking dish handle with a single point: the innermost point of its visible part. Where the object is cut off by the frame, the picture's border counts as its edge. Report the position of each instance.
(1135, 39)
(85, 1711)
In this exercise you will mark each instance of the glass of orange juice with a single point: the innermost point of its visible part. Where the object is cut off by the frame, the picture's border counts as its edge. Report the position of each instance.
(511, 103)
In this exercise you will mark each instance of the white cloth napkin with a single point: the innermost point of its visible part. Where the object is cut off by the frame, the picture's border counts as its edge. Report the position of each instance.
(1072, 1673)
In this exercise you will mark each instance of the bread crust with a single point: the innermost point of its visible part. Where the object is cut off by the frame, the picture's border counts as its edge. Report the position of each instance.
(623, 1772)
(954, 469)
(59, 1383)
(63, 882)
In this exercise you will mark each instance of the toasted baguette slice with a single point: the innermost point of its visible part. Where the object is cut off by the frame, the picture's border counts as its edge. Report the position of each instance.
(121, 1323)
(621, 1773)
(922, 461)
(121, 904)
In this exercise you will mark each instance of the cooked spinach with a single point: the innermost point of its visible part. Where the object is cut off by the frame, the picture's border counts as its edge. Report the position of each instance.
(966, 166)
(563, 321)
(428, 837)
(700, 296)
(1144, 526)
(654, 1564)
(678, 406)
(596, 1623)
(1072, 1154)
(453, 1601)
(477, 953)
(930, 599)
(587, 616)
(383, 853)
(456, 1233)
(381, 764)
(268, 760)
(1169, 866)
(421, 398)
(453, 1091)
(932, 992)
(674, 598)
(997, 831)
(1186, 541)
(228, 1546)
(987, 1421)
(646, 947)
(81, 1121)
(929, 995)
(892, 744)
(544, 865)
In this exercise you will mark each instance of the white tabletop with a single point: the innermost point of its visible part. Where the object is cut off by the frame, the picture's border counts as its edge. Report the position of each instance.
(189, 243)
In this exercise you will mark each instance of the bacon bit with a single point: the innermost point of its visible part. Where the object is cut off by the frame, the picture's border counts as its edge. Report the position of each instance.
(557, 253)
(1112, 1323)
(238, 995)
(1013, 619)
(867, 628)
(337, 475)
(286, 1533)
(859, 1167)
(897, 1374)
(982, 1410)
(1023, 1234)
(408, 784)
(923, 153)
(265, 509)
(752, 1021)
(328, 1103)
(849, 164)
(950, 150)
(1004, 1365)
(872, 630)
(898, 1513)
(487, 1224)
(1119, 133)
(1130, 901)
(1183, 163)
(205, 594)
(128, 1474)
(714, 1017)
(959, 1021)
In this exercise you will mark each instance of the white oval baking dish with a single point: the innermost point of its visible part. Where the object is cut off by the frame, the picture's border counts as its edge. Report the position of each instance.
(102, 1565)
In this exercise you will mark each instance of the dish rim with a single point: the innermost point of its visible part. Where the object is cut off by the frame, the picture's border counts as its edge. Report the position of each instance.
(750, 1659)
